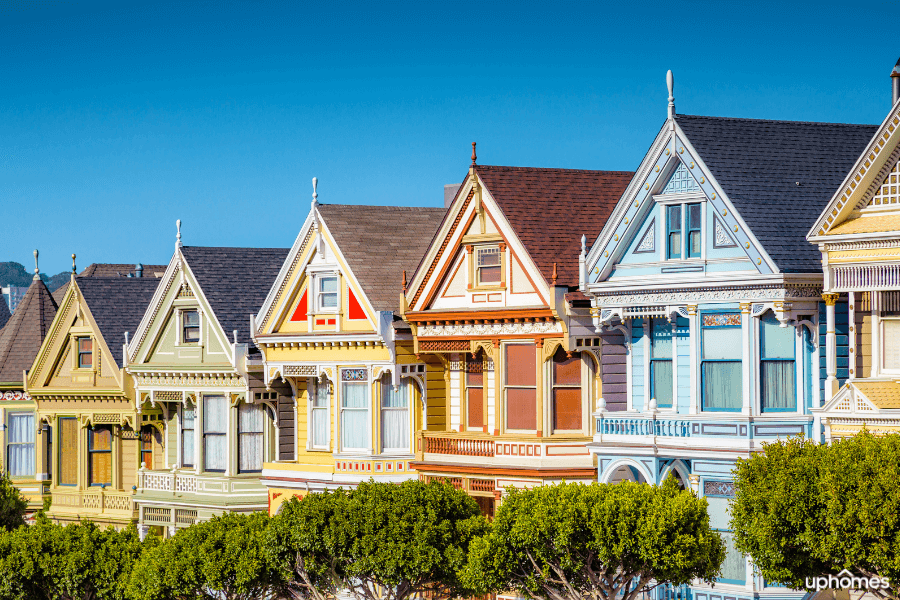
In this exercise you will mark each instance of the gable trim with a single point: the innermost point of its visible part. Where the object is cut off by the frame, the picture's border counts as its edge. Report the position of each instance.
(284, 275)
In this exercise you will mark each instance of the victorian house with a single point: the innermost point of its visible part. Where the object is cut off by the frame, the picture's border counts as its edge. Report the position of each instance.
(494, 302)
(207, 424)
(858, 235)
(329, 330)
(703, 279)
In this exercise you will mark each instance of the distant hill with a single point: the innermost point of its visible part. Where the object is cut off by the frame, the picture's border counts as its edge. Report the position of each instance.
(13, 273)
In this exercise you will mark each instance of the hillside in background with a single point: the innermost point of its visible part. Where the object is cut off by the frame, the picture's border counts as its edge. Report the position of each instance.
(13, 273)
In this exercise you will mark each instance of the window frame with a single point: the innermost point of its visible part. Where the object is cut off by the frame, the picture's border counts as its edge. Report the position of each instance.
(61, 449)
(182, 318)
(670, 231)
(193, 430)
(762, 360)
(404, 384)
(690, 229)
(670, 360)
(207, 434)
(319, 293)
(479, 251)
(367, 385)
(703, 407)
(79, 353)
(507, 386)
(242, 434)
(882, 335)
(554, 385)
(141, 449)
(468, 385)
(93, 452)
(317, 387)
(9, 445)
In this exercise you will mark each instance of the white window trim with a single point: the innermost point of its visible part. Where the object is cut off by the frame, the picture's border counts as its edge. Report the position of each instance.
(882, 368)
(312, 388)
(667, 200)
(369, 408)
(179, 320)
(315, 274)
(404, 381)
(799, 369)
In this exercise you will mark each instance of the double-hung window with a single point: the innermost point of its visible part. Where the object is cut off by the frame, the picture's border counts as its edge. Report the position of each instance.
(147, 435)
(394, 416)
(720, 368)
(520, 389)
(718, 496)
(250, 438)
(777, 377)
(190, 326)
(188, 417)
(85, 352)
(661, 379)
(474, 392)
(890, 335)
(20, 444)
(566, 391)
(68, 451)
(684, 226)
(100, 455)
(488, 265)
(215, 429)
(354, 410)
(327, 293)
(319, 428)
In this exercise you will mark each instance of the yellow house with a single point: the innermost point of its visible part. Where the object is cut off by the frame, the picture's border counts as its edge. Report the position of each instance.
(859, 236)
(86, 400)
(329, 330)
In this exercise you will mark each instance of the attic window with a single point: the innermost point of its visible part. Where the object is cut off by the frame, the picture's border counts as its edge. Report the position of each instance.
(488, 265)
(85, 353)
(327, 293)
(190, 327)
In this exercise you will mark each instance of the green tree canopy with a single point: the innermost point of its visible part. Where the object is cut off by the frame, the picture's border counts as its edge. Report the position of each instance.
(72, 562)
(806, 510)
(577, 541)
(12, 504)
(379, 541)
(221, 559)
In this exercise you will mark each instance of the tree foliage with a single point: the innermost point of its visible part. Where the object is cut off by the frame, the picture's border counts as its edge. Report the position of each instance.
(807, 510)
(12, 504)
(577, 541)
(222, 559)
(379, 541)
(47, 561)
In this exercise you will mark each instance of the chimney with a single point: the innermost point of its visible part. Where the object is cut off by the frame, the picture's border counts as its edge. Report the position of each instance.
(895, 83)
(139, 270)
(450, 193)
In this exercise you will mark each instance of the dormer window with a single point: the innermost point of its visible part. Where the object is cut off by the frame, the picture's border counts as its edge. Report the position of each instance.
(327, 293)
(190, 327)
(684, 226)
(487, 265)
(85, 353)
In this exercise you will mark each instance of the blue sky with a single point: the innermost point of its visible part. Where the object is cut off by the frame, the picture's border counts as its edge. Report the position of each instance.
(118, 118)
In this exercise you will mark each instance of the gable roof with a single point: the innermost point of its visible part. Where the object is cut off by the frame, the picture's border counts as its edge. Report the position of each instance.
(380, 242)
(121, 270)
(235, 282)
(4, 313)
(117, 305)
(759, 162)
(550, 209)
(21, 338)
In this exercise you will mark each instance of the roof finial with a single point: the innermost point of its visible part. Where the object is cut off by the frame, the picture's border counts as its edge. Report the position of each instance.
(404, 281)
(670, 82)
(73, 264)
(315, 194)
(37, 272)
(474, 157)
(583, 244)
(554, 276)
(178, 235)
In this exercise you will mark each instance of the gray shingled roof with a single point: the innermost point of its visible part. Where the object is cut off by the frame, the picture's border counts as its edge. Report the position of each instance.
(235, 281)
(117, 305)
(380, 242)
(21, 338)
(758, 164)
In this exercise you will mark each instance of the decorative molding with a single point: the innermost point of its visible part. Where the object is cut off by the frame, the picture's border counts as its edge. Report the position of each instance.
(681, 181)
(155, 312)
(722, 238)
(648, 242)
(444, 346)
(672, 296)
(490, 329)
(718, 488)
(862, 245)
(189, 379)
(550, 347)
(485, 345)
(15, 396)
(354, 375)
(300, 371)
(261, 326)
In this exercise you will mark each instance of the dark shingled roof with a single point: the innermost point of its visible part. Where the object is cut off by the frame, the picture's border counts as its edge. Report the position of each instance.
(117, 305)
(758, 164)
(4, 313)
(550, 209)
(21, 338)
(235, 281)
(120, 270)
(380, 242)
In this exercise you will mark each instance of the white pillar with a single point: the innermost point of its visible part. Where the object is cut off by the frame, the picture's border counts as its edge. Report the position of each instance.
(746, 359)
(694, 341)
(831, 384)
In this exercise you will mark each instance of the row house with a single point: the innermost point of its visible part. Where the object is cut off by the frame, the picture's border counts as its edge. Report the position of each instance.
(329, 332)
(858, 235)
(703, 280)
(490, 304)
(206, 423)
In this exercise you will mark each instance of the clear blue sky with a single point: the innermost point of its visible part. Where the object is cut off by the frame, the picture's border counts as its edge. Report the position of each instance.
(117, 120)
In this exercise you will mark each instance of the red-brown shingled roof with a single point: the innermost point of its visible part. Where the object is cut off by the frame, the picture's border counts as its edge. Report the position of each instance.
(21, 339)
(550, 209)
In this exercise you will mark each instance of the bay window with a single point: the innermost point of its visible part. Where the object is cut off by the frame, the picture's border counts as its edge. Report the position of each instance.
(661, 374)
(20, 444)
(566, 383)
(720, 369)
(68, 451)
(100, 455)
(354, 410)
(474, 392)
(777, 377)
(520, 386)
(188, 418)
(394, 415)
(319, 420)
(215, 429)
(250, 438)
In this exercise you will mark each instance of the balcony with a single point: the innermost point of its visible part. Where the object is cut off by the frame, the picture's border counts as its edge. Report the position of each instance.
(456, 446)
(96, 504)
(188, 483)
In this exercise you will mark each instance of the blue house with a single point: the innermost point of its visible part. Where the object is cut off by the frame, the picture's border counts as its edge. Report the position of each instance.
(704, 276)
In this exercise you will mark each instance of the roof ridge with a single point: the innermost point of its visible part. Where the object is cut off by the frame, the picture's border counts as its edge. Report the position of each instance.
(677, 116)
(381, 206)
(553, 169)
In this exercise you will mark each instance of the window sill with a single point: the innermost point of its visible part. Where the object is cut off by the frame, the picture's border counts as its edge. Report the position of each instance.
(488, 288)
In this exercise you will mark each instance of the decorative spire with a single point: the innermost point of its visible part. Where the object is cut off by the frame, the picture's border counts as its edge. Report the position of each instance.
(178, 235)
(404, 281)
(73, 264)
(670, 82)
(37, 271)
(474, 156)
(554, 276)
(315, 201)
(583, 244)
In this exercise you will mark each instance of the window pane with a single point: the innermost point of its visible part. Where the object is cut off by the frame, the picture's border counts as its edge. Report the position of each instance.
(191, 318)
(661, 338)
(695, 216)
(675, 245)
(328, 284)
(20, 445)
(100, 438)
(661, 374)
(520, 364)
(474, 407)
(567, 408)
(734, 568)
(320, 399)
(214, 450)
(395, 429)
(673, 213)
(722, 385)
(489, 274)
(355, 395)
(147, 446)
(215, 414)
(778, 385)
(68, 451)
(391, 398)
(566, 371)
(694, 244)
(891, 344)
(488, 257)
(101, 468)
(354, 429)
(722, 343)
(251, 418)
(328, 300)
(187, 437)
(775, 341)
(521, 409)
(21, 428)
(84, 344)
(250, 437)
(320, 426)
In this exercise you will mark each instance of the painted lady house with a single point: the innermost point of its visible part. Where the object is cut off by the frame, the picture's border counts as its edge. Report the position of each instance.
(858, 235)
(206, 423)
(329, 329)
(704, 275)
(494, 301)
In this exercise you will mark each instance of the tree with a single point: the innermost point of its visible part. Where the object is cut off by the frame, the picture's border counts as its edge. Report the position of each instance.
(381, 541)
(804, 510)
(12, 504)
(577, 541)
(223, 559)
(72, 562)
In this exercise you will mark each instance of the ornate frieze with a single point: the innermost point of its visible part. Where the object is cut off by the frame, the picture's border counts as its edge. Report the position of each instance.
(300, 371)
(190, 379)
(444, 346)
(718, 488)
(710, 294)
(721, 319)
(15, 396)
(490, 329)
(354, 375)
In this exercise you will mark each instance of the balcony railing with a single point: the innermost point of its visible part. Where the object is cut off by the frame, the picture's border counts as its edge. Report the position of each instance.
(184, 482)
(96, 501)
(456, 446)
(637, 426)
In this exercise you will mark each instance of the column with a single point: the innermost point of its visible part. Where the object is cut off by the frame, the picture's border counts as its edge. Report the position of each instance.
(539, 386)
(694, 341)
(499, 365)
(457, 373)
(831, 383)
(746, 359)
(198, 433)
